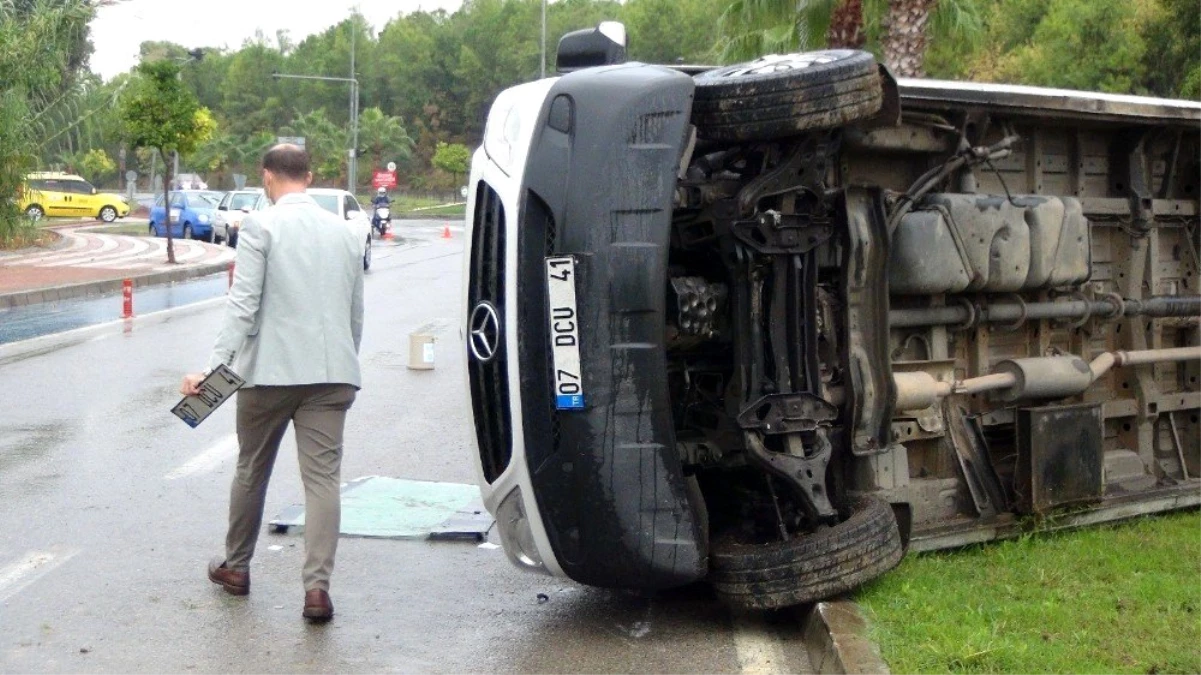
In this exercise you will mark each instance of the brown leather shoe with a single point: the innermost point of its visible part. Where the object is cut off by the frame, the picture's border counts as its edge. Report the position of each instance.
(317, 605)
(233, 581)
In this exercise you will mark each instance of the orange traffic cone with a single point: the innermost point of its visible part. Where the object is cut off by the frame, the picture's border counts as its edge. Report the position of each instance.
(446, 232)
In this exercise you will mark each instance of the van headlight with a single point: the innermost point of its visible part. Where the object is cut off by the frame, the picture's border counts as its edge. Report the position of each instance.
(503, 130)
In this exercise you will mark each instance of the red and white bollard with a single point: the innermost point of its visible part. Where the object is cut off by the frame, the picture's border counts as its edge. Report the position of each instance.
(127, 297)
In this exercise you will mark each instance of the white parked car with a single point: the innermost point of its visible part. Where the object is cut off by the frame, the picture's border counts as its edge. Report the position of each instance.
(344, 205)
(232, 209)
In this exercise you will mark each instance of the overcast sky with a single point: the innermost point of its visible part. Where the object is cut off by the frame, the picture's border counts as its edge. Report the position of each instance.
(118, 30)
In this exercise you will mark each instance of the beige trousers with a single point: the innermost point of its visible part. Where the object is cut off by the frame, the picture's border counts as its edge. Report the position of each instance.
(318, 415)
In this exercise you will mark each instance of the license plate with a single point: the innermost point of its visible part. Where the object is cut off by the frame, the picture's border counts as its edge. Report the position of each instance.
(564, 333)
(214, 390)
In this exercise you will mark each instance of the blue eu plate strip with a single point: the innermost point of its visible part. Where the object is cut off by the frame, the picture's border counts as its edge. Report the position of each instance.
(573, 402)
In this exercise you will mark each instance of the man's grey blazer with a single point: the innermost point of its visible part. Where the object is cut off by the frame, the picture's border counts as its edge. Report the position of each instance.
(295, 310)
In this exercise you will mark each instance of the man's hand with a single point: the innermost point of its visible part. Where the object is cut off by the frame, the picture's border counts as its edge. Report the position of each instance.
(191, 384)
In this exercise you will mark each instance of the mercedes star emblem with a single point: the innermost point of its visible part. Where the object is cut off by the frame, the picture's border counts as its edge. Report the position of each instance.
(485, 332)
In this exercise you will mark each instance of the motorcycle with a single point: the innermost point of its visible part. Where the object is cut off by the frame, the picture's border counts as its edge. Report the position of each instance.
(382, 220)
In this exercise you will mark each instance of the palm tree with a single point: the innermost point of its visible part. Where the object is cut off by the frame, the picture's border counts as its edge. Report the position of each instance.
(324, 141)
(752, 28)
(384, 137)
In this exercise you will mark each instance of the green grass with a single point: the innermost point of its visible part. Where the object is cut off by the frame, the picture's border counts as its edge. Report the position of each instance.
(1124, 598)
(406, 206)
(141, 228)
(455, 211)
(21, 233)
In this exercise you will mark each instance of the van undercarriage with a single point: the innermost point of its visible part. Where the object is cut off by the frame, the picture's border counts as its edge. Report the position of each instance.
(825, 316)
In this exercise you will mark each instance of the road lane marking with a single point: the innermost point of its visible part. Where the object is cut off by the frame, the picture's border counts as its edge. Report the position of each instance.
(36, 564)
(208, 460)
(757, 646)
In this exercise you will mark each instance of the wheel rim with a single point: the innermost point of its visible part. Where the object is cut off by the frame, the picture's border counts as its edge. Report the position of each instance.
(108, 214)
(34, 212)
(187, 232)
(775, 63)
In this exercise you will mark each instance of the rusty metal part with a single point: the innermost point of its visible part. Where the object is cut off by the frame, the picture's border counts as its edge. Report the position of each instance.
(1045, 377)
(803, 468)
(964, 316)
(787, 413)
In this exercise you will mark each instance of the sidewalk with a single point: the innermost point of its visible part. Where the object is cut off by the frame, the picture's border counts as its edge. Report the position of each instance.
(86, 263)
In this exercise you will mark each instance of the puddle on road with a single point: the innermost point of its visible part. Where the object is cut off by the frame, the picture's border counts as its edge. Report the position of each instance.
(30, 321)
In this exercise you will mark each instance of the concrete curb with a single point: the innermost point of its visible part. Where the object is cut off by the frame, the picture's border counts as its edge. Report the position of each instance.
(835, 635)
(107, 286)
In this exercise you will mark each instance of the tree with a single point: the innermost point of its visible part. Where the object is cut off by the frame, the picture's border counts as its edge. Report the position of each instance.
(1079, 44)
(96, 165)
(158, 111)
(43, 46)
(453, 158)
(383, 138)
(325, 143)
(896, 28)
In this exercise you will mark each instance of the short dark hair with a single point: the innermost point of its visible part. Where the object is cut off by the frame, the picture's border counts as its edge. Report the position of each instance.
(287, 160)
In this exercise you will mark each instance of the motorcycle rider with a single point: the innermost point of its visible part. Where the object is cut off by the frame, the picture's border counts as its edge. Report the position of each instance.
(380, 199)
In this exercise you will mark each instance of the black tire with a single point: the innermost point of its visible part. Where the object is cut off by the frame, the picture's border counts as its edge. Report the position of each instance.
(153, 230)
(187, 231)
(35, 212)
(810, 567)
(783, 95)
(367, 255)
(108, 214)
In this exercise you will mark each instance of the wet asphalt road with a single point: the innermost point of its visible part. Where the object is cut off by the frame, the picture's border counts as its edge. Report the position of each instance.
(111, 507)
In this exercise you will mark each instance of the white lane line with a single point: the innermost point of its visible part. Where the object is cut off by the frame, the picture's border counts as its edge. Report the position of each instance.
(109, 245)
(138, 247)
(757, 646)
(207, 461)
(36, 564)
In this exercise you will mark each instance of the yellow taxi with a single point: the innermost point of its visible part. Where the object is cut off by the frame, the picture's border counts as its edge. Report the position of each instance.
(66, 195)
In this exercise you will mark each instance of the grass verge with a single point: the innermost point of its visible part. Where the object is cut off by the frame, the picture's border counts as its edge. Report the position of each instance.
(452, 211)
(1123, 598)
(131, 229)
(23, 233)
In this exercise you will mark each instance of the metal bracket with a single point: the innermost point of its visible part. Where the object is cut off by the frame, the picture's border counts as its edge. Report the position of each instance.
(1129, 165)
(778, 233)
(787, 413)
(802, 468)
(806, 166)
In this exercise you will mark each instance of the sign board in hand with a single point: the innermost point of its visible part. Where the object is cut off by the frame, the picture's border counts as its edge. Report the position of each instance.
(214, 390)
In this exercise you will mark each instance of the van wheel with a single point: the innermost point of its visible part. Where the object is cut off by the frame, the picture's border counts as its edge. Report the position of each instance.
(108, 214)
(783, 95)
(34, 212)
(808, 567)
(367, 255)
(153, 230)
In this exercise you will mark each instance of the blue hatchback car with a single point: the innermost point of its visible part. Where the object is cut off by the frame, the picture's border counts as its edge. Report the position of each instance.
(192, 214)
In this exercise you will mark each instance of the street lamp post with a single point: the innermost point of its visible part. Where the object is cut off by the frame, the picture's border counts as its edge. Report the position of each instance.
(354, 118)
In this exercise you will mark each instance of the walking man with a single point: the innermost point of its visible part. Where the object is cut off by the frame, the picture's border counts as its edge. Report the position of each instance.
(292, 327)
